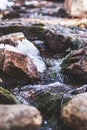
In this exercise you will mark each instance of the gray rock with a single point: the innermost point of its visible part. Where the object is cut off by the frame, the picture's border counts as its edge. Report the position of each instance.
(74, 114)
(19, 117)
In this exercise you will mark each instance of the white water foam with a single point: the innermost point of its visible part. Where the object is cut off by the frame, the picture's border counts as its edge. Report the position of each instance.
(27, 48)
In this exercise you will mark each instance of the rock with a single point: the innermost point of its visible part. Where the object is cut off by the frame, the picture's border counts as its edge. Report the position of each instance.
(20, 2)
(57, 41)
(1, 59)
(5, 4)
(15, 117)
(74, 113)
(47, 97)
(18, 65)
(31, 28)
(60, 38)
(47, 103)
(57, 37)
(76, 8)
(17, 42)
(12, 38)
(6, 97)
(75, 65)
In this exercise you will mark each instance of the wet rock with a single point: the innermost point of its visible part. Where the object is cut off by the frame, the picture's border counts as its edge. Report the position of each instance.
(58, 38)
(57, 42)
(6, 97)
(21, 63)
(76, 8)
(47, 97)
(31, 28)
(17, 42)
(75, 65)
(47, 103)
(74, 113)
(18, 65)
(15, 117)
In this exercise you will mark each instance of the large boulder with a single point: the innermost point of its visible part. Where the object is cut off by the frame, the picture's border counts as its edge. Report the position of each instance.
(19, 117)
(76, 8)
(75, 65)
(74, 114)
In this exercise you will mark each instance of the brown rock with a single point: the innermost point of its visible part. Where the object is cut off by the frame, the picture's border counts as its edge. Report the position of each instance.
(57, 41)
(12, 38)
(74, 114)
(18, 65)
(19, 117)
(75, 65)
(1, 58)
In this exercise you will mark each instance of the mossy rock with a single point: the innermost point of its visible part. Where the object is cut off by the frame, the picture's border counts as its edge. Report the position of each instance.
(66, 62)
(31, 32)
(6, 97)
(48, 103)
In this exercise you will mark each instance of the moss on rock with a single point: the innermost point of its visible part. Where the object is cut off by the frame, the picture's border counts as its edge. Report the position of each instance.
(6, 97)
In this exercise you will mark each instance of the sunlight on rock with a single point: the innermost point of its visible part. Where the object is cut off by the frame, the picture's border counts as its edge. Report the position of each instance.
(9, 47)
(31, 3)
(4, 4)
(27, 48)
(76, 8)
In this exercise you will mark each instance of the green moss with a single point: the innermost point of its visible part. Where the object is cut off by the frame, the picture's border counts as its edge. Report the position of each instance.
(66, 62)
(6, 97)
(31, 32)
(48, 103)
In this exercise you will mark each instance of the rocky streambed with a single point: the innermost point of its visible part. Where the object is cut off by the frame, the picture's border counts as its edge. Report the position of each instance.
(42, 64)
